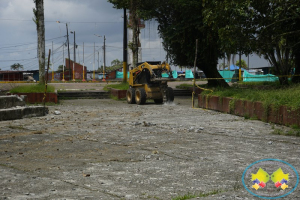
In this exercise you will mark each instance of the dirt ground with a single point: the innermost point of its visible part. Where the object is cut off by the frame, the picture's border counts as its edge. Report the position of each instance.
(106, 149)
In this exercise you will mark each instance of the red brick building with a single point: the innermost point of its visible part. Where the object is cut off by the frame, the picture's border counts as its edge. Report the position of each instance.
(78, 70)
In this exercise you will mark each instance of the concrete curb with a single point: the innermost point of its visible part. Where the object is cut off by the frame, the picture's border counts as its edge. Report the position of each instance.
(11, 101)
(13, 107)
(22, 112)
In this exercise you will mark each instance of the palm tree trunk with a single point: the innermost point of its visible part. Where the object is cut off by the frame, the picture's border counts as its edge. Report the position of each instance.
(134, 32)
(40, 27)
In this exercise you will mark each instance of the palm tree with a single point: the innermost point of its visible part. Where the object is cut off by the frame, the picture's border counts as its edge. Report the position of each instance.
(38, 12)
(16, 66)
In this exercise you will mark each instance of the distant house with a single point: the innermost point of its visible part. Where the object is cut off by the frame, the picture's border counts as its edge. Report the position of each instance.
(111, 72)
(34, 74)
(11, 76)
(78, 70)
(68, 72)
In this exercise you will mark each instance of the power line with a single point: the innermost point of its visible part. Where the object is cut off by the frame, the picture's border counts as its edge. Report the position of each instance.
(106, 22)
(17, 45)
(17, 60)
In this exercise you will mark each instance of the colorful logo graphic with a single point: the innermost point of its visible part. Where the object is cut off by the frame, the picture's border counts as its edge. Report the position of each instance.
(284, 179)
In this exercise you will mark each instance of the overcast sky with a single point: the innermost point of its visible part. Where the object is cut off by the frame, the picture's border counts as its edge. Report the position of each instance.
(18, 37)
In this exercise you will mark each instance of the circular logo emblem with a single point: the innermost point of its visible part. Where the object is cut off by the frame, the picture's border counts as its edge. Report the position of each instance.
(270, 179)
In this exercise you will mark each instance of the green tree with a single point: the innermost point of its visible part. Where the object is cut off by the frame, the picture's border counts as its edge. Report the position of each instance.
(273, 41)
(16, 66)
(116, 62)
(180, 24)
(242, 65)
(38, 12)
(60, 68)
(134, 6)
(269, 28)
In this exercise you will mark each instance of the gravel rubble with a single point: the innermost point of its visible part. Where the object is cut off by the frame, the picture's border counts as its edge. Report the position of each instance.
(107, 149)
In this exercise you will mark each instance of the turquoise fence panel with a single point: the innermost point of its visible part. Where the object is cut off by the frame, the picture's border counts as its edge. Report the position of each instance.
(120, 74)
(189, 74)
(227, 75)
(247, 77)
(174, 73)
(164, 75)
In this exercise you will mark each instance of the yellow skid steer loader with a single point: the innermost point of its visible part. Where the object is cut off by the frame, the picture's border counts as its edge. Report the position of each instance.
(149, 81)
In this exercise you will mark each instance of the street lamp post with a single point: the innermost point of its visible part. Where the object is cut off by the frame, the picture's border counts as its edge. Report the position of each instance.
(63, 80)
(68, 48)
(52, 64)
(104, 60)
(83, 80)
(74, 61)
(103, 57)
(94, 65)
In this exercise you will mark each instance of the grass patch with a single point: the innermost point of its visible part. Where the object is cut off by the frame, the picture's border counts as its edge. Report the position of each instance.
(33, 88)
(191, 196)
(184, 86)
(119, 86)
(274, 95)
(295, 131)
(16, 127)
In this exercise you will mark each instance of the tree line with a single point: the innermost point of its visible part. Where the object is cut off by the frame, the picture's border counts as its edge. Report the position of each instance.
(270, 28)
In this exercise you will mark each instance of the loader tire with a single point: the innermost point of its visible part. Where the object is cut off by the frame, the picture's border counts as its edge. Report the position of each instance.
(158, 101)
(170, 94)
(130, 96)
(140, 96)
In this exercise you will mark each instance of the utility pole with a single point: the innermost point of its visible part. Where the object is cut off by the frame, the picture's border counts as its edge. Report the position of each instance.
(125, 48)
(63, 80)
(103, 78)
(98, 59)
(74, 61)
(104, 60)
(83, 80)
(68, 51)
(94, 65)
(52, 64)
(240, 70)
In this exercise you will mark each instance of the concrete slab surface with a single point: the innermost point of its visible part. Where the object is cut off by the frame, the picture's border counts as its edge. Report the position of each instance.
(106, 149)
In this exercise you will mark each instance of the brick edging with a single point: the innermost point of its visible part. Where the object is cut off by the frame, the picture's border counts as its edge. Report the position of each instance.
(38, 97)
(281, 115)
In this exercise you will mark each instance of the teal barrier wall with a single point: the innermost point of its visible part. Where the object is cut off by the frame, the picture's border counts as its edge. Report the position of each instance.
(247, 77)
(174, 73)
(164, 75)
(227, 75)
(120, 74)
(189, 74)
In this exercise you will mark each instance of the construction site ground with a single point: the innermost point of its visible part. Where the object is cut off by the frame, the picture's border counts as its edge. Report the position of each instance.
(108, 149)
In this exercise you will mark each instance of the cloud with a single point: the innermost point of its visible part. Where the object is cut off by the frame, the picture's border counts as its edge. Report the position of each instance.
(18, 37)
